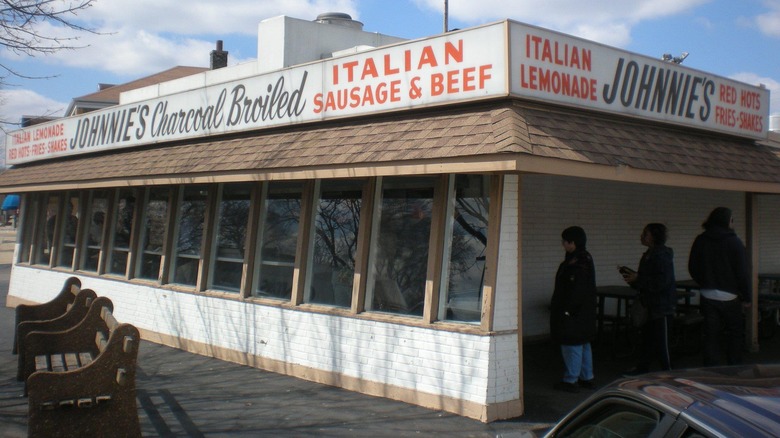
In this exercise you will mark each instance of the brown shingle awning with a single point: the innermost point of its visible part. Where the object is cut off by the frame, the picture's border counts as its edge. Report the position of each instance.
(508, 130)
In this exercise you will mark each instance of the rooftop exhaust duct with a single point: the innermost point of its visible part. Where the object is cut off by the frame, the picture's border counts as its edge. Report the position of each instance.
(339, 19)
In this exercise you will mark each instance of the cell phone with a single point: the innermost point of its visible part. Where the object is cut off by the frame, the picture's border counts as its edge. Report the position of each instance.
(625, 270)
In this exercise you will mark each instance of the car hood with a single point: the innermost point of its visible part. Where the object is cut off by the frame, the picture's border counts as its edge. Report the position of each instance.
(723, 395)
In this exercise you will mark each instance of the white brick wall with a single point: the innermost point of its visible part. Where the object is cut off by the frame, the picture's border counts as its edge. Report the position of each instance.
(433, 361)
(506, 286)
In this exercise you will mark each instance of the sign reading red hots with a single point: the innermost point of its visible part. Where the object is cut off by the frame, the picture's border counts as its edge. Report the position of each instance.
(490, 61)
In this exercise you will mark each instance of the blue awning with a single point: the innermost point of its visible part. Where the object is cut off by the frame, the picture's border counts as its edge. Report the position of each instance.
(11, 202)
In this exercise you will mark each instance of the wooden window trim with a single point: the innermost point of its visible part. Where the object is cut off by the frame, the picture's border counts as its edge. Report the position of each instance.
(487, 319)
(207, 239)
(436, 248)
(303, 245)
(256, 204)
(360, 279)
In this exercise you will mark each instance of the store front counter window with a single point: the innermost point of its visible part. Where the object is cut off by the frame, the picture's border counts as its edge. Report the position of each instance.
(412, 247)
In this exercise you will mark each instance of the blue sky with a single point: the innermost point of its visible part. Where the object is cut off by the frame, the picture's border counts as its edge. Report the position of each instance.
(739, 39)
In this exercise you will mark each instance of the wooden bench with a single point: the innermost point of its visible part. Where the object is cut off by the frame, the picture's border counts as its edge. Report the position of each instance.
(84, 378)
(75, 313)
(49, 310)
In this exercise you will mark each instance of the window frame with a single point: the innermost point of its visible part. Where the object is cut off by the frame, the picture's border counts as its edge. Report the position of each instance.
(132, 243)
(142, 234)
(214, 257)
(84, 243)
(316, 197)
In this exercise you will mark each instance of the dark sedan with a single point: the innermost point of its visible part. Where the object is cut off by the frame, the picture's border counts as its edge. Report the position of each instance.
(742, 401)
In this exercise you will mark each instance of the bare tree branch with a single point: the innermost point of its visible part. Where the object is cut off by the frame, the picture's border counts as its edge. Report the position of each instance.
(19, 21)
(21, 31)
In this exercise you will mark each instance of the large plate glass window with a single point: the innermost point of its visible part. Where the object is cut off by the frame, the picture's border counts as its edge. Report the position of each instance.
(121, 231)
(332, 256)
(49, 206)
(154, 229)
(233, 218)
(400, 244)
(466, 236)
(30, 207)
(278, 240)
(68, 228)
(189, 234)
(96, 216)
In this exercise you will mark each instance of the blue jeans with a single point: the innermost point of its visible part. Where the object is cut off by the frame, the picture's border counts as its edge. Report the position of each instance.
(577, 362)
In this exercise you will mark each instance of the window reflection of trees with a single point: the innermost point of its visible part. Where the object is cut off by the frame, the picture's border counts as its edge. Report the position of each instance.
(279, 240)
(401, 253)
(192, 212)
(45, 238)
(466, 263)
(69, 228)
(231, 237)
(97, 218)
(335, 243)
(192, 215)
(122, 229)
(232, 228)
(155, 216)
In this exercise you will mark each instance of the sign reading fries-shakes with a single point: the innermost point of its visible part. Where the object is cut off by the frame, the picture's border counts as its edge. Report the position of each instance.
(490, 61)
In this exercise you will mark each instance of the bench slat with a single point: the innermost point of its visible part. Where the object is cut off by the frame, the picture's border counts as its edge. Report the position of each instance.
(85, 359)
(42, 363)
(108, 317)
(71, 361)
(100, 341)
(57, 363)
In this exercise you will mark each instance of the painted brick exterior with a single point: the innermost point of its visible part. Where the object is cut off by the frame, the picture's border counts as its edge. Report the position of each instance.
(478, 369)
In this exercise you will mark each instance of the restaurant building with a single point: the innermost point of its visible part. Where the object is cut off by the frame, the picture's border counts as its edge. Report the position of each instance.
(385, 215)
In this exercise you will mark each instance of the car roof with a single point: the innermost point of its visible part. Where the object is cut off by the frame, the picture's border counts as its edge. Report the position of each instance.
(727, 398)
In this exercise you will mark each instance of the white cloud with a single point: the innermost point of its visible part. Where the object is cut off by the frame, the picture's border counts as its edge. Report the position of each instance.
(138, 37)
(606, 21)
(17, 103)
(769, 22)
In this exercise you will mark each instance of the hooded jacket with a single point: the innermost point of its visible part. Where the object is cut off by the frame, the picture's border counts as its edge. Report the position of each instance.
(719, 260)
(655, 281)
(573, 305)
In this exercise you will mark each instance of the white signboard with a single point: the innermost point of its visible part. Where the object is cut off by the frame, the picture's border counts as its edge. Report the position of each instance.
(553, 67)
(489, 61)
(454, 67)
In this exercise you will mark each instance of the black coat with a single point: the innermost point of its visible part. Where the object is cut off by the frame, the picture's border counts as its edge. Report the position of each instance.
(719, 260)
(573, 306)
(656, 283)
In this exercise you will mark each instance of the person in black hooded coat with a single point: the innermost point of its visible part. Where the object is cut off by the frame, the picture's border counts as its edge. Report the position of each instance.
(573, 311)
(658, 293)
(719, 264)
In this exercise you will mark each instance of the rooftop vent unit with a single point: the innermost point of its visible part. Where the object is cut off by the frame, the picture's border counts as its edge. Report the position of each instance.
(339, 19)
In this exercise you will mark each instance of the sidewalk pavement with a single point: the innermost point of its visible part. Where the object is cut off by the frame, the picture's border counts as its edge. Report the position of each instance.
(187, 395)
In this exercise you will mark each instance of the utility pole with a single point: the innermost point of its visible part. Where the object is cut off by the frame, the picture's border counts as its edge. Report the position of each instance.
(446, 13)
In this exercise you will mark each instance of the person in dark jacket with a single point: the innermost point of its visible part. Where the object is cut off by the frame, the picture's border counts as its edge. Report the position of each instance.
(657, 292)
(573, 311)
(719, 264)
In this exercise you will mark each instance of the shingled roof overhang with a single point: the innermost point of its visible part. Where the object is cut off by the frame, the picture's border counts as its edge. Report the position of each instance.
(504, 136)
